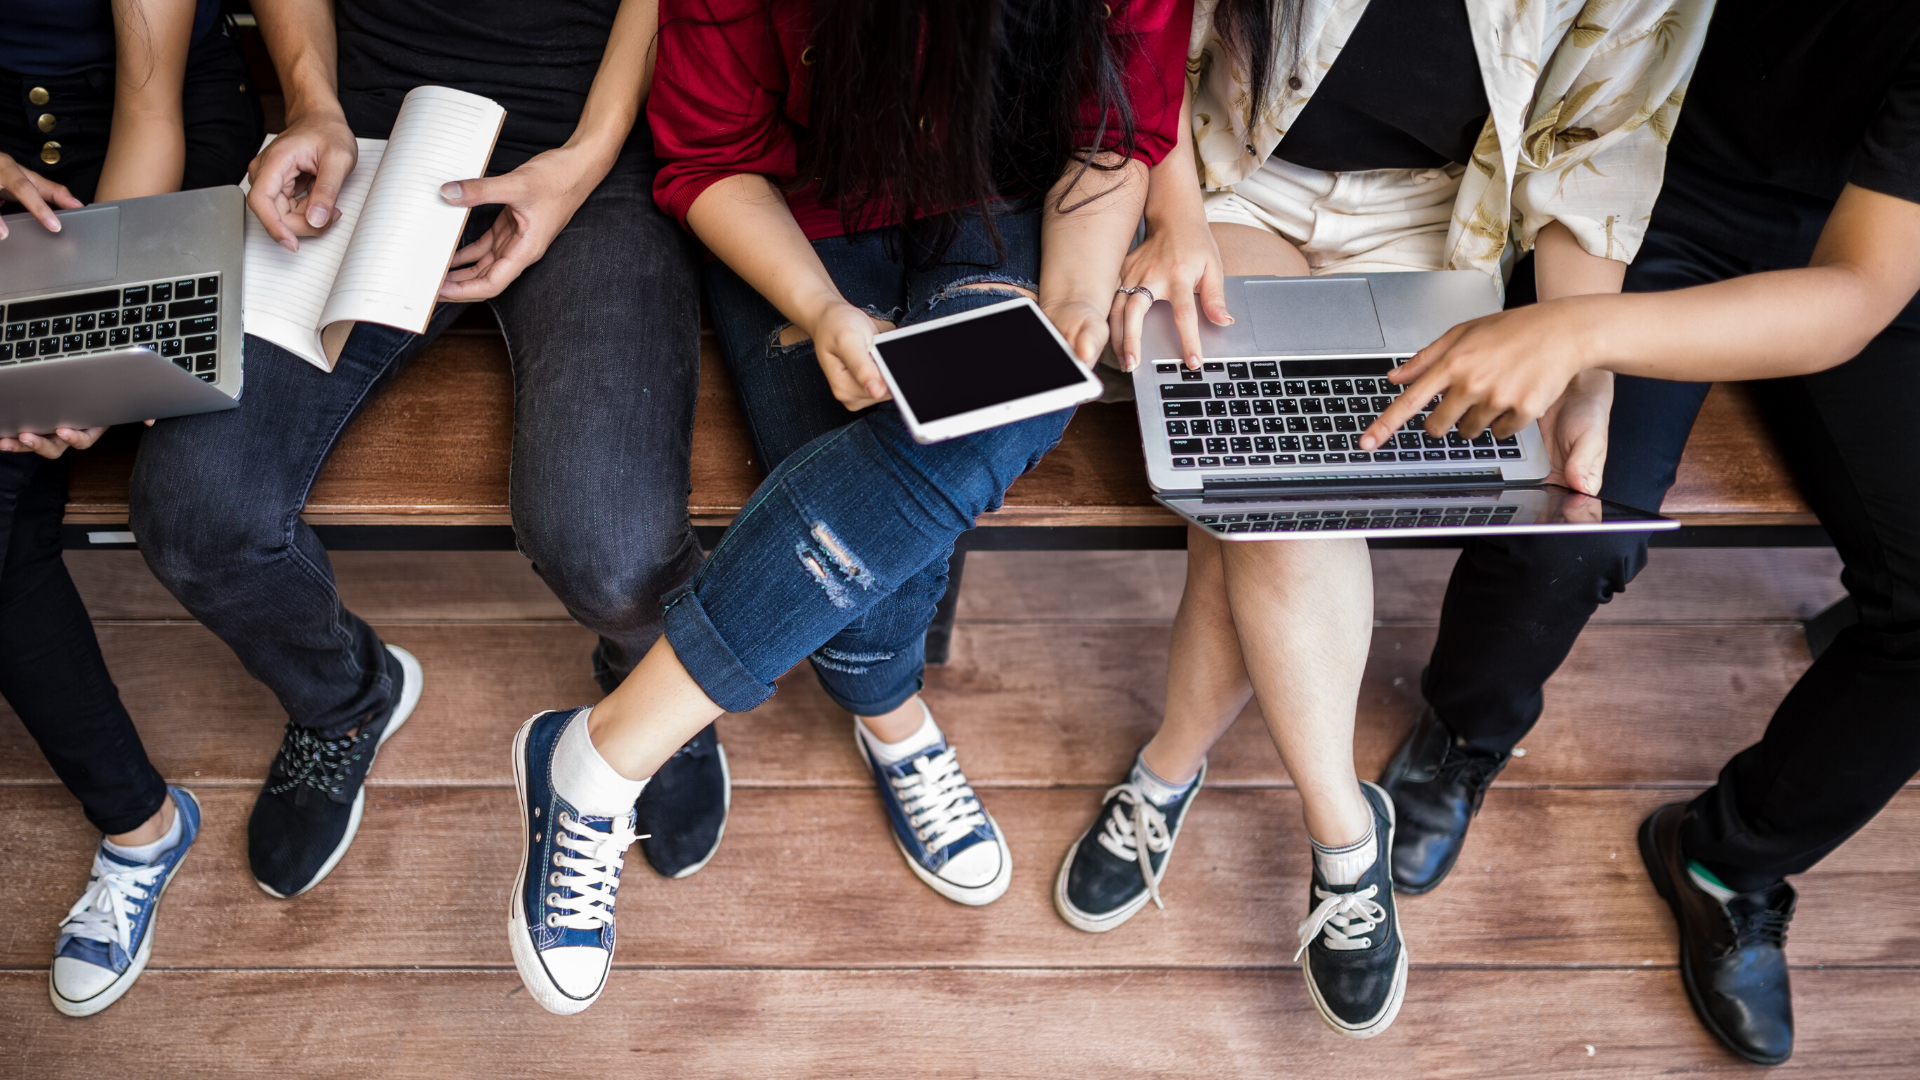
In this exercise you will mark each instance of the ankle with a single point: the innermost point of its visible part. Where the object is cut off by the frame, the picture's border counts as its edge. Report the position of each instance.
(151, 829)
(1174, 767)
(898, 723)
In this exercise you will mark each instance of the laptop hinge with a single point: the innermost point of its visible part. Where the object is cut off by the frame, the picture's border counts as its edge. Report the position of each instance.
(1248, 485)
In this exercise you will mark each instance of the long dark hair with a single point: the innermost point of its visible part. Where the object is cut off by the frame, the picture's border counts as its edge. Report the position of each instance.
(941, 107)
(1258, 33)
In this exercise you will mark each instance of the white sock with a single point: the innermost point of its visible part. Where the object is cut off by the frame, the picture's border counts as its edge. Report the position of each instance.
(1158, 792)
(582, 777)
(146, 853)
(1344, 865)
(924, 738)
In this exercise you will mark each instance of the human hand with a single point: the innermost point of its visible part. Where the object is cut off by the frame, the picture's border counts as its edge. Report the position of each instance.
(1082, 322)
(294, 183)
(1499, 373)
(842, 344)
(537, 200)
(1177, 259)
(1575, 431)
(52, 446)
(33, 192)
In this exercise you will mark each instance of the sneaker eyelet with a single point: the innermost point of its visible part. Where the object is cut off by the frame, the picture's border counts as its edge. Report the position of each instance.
(553, 898)
(536, 811)
(553, 920)
(554, 878)
(556, 858)
(539, 838)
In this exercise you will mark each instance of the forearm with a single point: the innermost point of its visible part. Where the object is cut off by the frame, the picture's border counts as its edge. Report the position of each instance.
(626, 70)
(1173, 186)
(745, 222)
(1083, 239)
(147, 146)
(299, 36)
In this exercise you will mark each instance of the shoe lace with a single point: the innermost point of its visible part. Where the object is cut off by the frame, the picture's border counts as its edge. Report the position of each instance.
(105, 911)
(1767, 927)
(1122, 832)
(306, 758)
(589, 874)
(1475, 772)
(1347, 917)
(940, 804)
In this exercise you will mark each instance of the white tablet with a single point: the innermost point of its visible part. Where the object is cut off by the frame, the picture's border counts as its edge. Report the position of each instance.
(978, 370)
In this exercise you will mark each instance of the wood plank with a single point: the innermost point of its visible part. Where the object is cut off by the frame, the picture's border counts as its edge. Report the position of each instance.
(1733, 466)
(1046, 1025)
(434, 446)
(1030, 704)
(1549, 877)
(1679, 585)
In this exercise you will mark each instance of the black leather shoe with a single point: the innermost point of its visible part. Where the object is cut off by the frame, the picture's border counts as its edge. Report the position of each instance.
(1436, 785)
(683, 809)
(1733, 956)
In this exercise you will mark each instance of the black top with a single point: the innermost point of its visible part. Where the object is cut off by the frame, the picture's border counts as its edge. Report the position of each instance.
(1790, 102)
(60, 37)
(1405, 93)
(537, 59)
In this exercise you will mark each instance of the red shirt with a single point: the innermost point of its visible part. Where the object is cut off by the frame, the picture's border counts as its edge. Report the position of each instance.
(729, 94)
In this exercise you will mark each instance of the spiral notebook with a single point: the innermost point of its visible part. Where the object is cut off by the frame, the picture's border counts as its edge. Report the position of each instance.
(384, 259)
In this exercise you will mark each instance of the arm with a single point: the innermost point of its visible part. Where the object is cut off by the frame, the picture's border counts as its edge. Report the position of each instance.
(1762, 326)
(1177, 259)
(1089, 220)
(296, 179)
(541, 196)
(147, 150)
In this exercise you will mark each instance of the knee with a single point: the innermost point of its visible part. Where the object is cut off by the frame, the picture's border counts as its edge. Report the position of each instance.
(188, 540)
(1590, 566)
(606, 588)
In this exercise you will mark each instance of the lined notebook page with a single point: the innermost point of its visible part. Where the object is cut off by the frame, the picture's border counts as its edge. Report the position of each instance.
(398, 258)
(283, 292)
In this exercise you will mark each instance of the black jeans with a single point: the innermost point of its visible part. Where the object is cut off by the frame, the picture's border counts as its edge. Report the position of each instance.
(221, 114)
(1848, 735)
(604, 338)
(51, 672)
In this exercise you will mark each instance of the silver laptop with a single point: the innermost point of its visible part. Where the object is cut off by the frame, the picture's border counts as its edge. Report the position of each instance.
(130, 312)
(1263, 443)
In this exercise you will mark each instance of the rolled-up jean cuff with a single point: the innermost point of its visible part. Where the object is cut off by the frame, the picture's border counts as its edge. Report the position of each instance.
(899, 695)
(707, 656)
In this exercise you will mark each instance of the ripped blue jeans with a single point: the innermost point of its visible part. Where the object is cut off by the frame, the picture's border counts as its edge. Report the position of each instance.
(841, 555)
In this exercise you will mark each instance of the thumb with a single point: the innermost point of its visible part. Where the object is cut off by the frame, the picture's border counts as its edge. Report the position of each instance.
(482, 191)
(1213, 294)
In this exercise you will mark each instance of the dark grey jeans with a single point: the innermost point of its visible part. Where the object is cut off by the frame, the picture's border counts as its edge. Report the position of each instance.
(604, 337)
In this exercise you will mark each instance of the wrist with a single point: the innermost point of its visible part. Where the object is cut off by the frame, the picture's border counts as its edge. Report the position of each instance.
(321, 109)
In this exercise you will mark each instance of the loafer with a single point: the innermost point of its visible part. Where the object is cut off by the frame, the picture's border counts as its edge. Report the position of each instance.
(1733, 958)
(1436, 783)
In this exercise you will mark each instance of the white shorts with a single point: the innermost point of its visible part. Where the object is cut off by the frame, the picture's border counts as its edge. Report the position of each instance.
(1347, 223)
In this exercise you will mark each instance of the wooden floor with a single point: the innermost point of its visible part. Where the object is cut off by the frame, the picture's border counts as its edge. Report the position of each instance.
(807, 949)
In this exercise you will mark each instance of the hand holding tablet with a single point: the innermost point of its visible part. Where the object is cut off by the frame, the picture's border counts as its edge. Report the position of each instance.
(980, 369)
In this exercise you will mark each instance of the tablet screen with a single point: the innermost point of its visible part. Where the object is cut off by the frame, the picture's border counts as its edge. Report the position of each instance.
(975, 363)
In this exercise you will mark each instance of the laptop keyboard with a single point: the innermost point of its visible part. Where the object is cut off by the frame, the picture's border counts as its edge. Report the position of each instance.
(179, 319)
(1379, 517)
(1298, 412)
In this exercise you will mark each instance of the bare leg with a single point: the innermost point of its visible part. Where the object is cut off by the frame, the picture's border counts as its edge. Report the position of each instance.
(1296, 615)
(150, 830)
(650, 715)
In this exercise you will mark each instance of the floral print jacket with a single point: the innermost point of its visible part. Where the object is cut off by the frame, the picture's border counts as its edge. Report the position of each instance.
(1583, 97)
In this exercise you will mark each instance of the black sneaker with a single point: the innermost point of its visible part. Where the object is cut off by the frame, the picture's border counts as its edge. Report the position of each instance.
(683, 809)
(1733, 958)
(1356, 964)
(1436, 783)
(1102, 881)
(309, 809)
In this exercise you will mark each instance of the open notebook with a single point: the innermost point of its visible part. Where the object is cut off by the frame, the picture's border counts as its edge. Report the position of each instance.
(384, 259)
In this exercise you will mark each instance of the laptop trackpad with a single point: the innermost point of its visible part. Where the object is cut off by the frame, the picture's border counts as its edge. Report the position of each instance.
(1294, 315)
(87, 248)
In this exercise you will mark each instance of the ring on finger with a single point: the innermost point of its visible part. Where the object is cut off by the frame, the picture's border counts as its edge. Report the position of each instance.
(1132, 290)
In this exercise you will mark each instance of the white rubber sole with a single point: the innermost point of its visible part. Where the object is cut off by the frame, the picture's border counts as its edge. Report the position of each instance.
(526, 959)
(409, 699)
(1385, 1017)
(977, 896)
(121, 985)
(1100, 924)
(726, 775)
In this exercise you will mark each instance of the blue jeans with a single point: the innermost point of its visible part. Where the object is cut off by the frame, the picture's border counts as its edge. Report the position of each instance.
(604, 338)
(841, 554)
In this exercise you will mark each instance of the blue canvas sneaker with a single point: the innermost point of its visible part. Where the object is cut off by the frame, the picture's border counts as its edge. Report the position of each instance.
(309, 810)
(107, 937)
(948, 839)
(560, 913)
